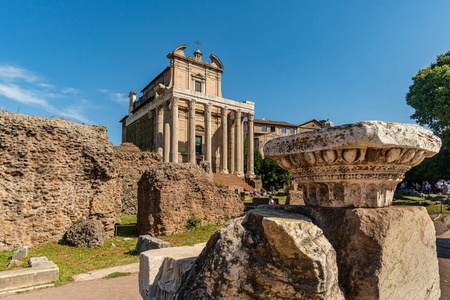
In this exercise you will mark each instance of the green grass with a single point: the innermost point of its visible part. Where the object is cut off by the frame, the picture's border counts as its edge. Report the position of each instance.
(436, 209)
(127, 219)
(116, 274)
(74, 260)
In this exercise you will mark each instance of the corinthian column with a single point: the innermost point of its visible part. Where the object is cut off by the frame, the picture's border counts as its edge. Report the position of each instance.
(166, 154)
(238, 138)
(224, 140)
(250, 150)
(159, 129)
(174, 130)
(191, 143)
(232, 142)
(208, 133)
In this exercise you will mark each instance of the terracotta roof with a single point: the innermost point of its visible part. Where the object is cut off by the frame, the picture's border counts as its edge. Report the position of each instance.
(232, 180)
(312, 120)
(267, 122)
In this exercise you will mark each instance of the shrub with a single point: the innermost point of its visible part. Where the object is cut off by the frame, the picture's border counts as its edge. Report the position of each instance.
(193, 222)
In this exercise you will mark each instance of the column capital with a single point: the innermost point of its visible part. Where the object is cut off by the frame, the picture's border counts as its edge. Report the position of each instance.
(224, 111)
(174, 100)
(250, 117)
(238, 113)
(208, 108)
(192, 103)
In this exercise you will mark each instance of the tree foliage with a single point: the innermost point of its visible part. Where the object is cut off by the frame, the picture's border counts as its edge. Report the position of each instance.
(269, 170)
(429, 95)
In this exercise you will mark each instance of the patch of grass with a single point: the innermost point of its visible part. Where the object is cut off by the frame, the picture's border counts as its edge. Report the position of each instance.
(196, 236)
(116, 274)
(73, 260)
(127, 219)
(436, 209)
(219, 184)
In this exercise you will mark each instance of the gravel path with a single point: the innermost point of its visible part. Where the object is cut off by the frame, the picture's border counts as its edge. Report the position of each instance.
(120, 288)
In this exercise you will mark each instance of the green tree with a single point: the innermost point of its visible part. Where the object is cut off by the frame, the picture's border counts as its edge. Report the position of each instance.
(429, 95)
(273, 175)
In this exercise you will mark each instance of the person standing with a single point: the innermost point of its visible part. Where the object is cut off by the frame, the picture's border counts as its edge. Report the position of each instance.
(271, 201)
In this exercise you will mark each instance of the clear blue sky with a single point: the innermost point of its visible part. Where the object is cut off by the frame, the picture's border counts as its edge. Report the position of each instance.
(297, 60)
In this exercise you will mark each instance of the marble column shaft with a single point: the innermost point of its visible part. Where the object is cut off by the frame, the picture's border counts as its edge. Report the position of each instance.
(174, 130)
(232, 128)
(159, 130)
(250, 148)
(208, 154)
(166, 147)
(238, 138)
(191, 143)
(224, 140)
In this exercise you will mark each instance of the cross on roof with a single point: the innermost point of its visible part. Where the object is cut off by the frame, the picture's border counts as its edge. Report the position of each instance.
(198, 44)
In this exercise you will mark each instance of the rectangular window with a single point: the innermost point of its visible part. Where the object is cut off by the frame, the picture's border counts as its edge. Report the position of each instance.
(198, 145)
(292, 130)
(198, 86)
(264, 128)
(272, 128)
(283, 130)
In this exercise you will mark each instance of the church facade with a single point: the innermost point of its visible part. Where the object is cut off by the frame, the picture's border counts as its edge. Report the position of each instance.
(182, 116)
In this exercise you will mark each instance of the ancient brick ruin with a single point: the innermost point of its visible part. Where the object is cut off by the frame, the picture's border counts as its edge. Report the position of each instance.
(132, 163)
(53, 173)
(169, 194)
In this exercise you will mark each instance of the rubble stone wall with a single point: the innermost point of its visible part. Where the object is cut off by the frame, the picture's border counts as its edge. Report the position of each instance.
(170, 194)
(132, 163)
(54, 172)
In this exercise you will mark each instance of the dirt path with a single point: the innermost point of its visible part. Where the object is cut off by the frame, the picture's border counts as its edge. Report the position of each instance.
(443, 249)
(120, 288)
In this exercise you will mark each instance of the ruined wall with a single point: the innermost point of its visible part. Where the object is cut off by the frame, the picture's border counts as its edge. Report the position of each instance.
(140, 133)
(54, 172)
(132, 164)
(169, 194)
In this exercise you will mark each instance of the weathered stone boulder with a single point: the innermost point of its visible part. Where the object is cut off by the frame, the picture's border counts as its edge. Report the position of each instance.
(132, 163)
(267, 254)
(53, 173)
(382, 253)
(169, 194)
(20, 254)
(146, 242)
(87, 233)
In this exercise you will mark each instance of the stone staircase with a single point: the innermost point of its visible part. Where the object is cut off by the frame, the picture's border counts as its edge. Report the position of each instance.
(233, 182)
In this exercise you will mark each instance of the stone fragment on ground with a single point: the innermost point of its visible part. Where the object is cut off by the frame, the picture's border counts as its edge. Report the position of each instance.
(14, 263)
(267, 254)
(20, 254)
(161, 270)
(87, 233)
(36, 262)
(170, 194)
(147, 242)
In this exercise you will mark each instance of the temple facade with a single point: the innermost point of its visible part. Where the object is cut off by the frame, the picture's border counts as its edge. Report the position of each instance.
(182, 116)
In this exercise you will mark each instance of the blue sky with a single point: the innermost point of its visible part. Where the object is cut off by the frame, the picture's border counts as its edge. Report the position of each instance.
(297, 60)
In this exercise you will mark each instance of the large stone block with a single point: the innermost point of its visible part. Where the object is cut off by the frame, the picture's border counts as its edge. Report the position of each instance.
(267, 254)
(19, 278)
(161, 270)
(170, 194)
(382, 253)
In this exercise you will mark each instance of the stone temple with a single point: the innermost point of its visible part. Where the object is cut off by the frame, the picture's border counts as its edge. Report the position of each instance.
(182, 116)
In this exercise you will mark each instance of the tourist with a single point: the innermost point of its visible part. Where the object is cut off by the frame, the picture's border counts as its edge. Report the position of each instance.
(271, 201)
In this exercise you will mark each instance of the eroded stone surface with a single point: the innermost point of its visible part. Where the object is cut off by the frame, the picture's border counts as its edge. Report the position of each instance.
(169, 194)
(53, 173)
(353, 165)
(382, 253)
(146, 242)
(87, 233)
(267, 254)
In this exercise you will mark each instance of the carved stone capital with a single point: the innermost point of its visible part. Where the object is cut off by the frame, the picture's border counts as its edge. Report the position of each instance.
(353, 165)
(224, 111)
(250, 118)
(208, 108)
(192, 104)
(174, 101)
